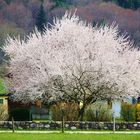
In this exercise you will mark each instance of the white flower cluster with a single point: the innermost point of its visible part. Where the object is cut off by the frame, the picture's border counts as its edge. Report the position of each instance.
(72, 48)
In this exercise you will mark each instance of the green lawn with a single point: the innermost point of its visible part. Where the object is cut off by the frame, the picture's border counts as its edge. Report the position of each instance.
(10, 136)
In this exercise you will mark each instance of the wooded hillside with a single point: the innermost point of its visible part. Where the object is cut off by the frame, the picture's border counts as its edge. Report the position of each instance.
(19, 16)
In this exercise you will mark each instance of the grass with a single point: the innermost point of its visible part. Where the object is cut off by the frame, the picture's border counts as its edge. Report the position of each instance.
(2, 87)
(10, 136)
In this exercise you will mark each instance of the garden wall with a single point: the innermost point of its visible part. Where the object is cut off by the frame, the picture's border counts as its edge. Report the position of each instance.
(29, 125)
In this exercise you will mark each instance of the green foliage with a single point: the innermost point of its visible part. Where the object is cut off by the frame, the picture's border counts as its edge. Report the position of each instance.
(98, 112)
(128, 112)
(41, 19)
(20, 114)
(3, 89)
(60, 3)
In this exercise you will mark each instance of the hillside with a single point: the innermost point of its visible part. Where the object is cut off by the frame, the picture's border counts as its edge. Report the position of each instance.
(19, 16)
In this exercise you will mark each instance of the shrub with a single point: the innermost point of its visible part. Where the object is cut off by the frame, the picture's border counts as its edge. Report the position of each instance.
(98, 112)
(3, 113)
(20, 114)
(128, 112)
(70, 112)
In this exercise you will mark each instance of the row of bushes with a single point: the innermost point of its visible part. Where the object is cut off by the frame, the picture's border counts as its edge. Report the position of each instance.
(95, 112)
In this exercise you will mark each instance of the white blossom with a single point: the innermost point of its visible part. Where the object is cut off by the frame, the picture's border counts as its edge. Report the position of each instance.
(70, 48)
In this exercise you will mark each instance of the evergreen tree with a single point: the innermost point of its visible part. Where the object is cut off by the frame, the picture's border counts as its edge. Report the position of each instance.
(8, 1)
(60, 3)
(137, 4)
(41, 19)
(132, 4)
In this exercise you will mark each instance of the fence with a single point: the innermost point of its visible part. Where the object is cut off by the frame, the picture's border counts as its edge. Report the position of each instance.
(73, 125)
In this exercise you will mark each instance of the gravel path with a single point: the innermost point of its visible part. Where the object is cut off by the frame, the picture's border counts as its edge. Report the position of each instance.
(75, 132)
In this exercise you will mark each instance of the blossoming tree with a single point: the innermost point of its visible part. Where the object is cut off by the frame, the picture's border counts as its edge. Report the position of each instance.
(75, 62)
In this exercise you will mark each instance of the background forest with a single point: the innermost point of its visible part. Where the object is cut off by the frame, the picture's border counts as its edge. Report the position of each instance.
(19, 17)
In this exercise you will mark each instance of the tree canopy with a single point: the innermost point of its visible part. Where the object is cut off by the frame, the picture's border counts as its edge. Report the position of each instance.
(73, 61)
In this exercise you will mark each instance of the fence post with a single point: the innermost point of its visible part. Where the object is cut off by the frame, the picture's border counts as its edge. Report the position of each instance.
(114, 122)
(13, 125)
(62, 113)
(97, 115)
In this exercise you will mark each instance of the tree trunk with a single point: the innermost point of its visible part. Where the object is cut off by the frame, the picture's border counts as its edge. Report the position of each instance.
(81, 113)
